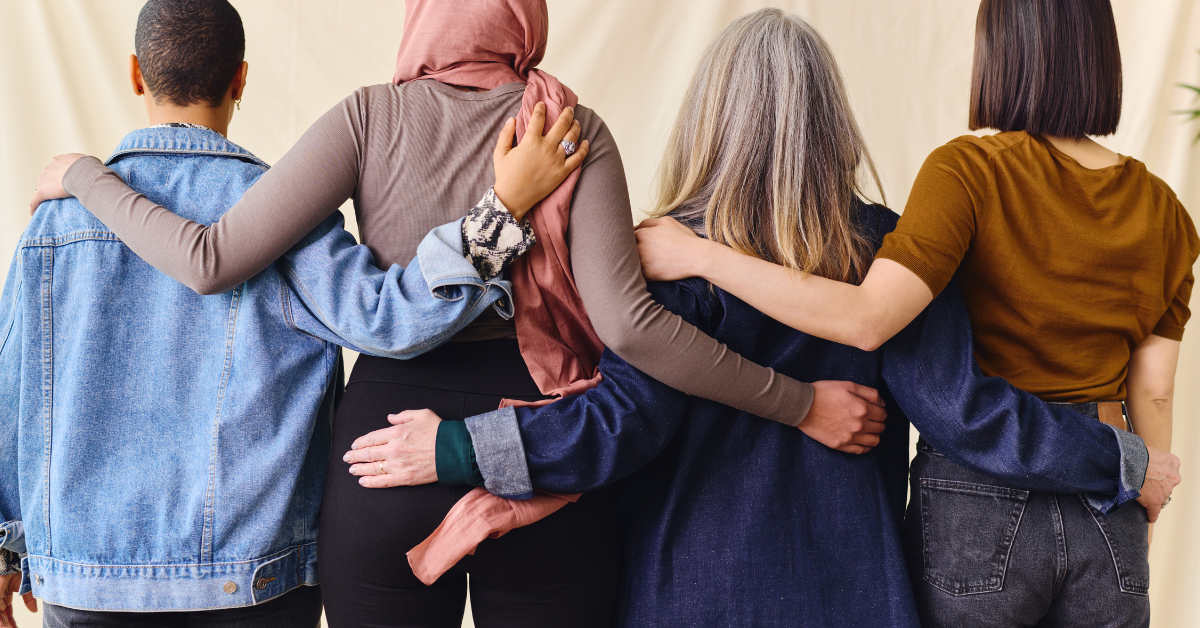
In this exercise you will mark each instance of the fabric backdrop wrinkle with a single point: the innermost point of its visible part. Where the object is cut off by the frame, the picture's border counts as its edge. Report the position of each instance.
(906, 66)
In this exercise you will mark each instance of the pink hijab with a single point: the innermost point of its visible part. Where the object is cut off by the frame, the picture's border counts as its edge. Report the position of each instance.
(486, 44)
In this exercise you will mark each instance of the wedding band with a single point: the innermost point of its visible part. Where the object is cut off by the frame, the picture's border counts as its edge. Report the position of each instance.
(1164, 504)
(380, 465)
(568, 146)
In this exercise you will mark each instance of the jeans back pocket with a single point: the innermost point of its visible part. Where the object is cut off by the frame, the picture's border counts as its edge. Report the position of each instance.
(968, 531)
(1126, 531)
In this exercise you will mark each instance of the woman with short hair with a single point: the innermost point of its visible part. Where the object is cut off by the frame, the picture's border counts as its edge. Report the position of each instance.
(1076, 265)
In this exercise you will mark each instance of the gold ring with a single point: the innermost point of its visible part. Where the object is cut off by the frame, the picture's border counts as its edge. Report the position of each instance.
(380, 465)
(1164, 504)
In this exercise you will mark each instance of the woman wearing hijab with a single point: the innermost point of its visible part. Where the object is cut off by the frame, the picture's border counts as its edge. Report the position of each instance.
(413, 154)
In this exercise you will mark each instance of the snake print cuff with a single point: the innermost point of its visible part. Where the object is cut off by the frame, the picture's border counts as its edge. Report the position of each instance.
(492, 238)
(9, 562)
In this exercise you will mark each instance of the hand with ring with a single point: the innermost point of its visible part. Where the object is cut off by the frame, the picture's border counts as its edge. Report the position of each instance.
(401, 455)
(529, 172)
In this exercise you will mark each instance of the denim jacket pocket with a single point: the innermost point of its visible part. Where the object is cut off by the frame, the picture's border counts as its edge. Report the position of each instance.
(1126, 530)
(968, 531)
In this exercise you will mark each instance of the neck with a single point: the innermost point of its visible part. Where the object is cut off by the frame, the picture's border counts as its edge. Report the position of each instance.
(215, 118)
(1087, 152)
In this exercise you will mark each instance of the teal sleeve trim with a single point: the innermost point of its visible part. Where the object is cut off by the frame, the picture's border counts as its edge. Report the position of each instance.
(455, 455)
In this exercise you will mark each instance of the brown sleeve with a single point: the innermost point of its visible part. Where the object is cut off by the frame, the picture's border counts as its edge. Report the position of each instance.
(308, 184)
(608, 272)
(1186, 246)
(938, 223)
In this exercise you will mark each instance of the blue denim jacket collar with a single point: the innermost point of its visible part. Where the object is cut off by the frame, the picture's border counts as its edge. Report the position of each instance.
(165, 140)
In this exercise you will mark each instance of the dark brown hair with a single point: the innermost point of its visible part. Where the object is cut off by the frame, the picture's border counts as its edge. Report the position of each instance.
(189, 50)
(1048, 67)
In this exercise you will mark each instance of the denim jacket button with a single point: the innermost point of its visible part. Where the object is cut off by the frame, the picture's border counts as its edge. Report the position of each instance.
(230, 587)
(261, 583)
(39, 580)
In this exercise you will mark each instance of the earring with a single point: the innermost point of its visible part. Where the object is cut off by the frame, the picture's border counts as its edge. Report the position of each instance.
(238, 104)
(139, 91)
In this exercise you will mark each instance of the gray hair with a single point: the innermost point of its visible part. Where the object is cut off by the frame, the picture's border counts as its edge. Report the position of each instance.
(765, 154)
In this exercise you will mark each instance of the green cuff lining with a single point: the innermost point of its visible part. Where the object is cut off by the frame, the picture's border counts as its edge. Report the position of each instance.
(455, 455)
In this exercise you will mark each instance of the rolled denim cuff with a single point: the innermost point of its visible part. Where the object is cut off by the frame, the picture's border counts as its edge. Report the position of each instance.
(446, 269)
(500, 453)
(1134, 461)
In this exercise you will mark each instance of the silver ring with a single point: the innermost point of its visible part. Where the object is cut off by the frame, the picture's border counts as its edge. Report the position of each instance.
(1164, 504)
(568, 146)
(380, 465)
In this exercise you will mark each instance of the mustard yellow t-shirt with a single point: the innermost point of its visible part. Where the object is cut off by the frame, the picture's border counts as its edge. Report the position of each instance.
(1065, 270)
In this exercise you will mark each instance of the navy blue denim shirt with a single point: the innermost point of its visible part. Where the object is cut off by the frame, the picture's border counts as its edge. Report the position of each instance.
(720, 505)
(162, 450)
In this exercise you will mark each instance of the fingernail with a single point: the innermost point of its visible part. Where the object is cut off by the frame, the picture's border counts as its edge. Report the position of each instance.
(511, 121)
(362, 481)
(346, 458)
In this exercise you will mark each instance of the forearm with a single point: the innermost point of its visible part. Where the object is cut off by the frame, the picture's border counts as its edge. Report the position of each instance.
(397, 313)
(1150, 390)
(863, 316)
(579, 443)
(310, 182)
(986, 424)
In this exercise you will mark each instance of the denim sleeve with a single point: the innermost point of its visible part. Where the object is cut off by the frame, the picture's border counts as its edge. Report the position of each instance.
(583, 442)
(398, 313)
(986, 424)
(12, 537)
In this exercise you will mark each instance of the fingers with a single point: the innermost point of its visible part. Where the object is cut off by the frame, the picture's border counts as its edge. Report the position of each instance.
(537, 122)
(573, 134)
(866, 439)
(366, 454)
(411, 415)
(504, 143)
(378, 481)
(867, 393)
(30, 601)
(652, 222)
(367, 469)
(566, 120)
(576, 160)
(373, 439)
(1152, 512)
(876, 415)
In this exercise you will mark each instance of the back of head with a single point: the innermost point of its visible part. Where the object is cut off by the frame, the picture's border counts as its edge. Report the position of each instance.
(189, 50)
(765, 154)
(1048, 67)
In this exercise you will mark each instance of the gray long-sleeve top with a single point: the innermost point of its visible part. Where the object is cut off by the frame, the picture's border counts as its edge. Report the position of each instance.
(416, 156)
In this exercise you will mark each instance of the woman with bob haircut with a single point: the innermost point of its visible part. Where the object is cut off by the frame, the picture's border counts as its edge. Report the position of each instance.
(1076, 266)
(728, 519)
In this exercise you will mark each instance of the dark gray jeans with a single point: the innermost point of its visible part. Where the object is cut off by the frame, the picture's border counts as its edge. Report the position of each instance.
(298, 608)
(982, 553)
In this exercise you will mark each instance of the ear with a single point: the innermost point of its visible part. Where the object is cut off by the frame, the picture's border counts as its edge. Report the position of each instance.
(135, 76)
(239, 81)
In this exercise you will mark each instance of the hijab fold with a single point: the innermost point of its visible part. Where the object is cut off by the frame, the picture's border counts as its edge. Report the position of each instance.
(486, 44)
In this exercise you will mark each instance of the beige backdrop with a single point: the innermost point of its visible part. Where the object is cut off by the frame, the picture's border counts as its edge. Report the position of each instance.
(63, 69)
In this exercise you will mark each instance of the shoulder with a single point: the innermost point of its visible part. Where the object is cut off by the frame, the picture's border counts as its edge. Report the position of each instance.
(874, 221)
(973, 153)
(62, 220)
(692, 299)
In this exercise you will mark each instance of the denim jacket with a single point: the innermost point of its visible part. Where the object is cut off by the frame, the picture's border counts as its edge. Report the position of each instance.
(162, 450)
(584, 442)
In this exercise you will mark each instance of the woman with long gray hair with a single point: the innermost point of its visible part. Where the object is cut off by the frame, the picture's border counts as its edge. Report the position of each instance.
(728, 519)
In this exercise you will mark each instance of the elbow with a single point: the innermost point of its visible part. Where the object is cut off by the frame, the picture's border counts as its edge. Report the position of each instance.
(868, 336)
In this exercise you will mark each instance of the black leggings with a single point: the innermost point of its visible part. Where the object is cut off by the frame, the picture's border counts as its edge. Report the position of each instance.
(561, 571)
